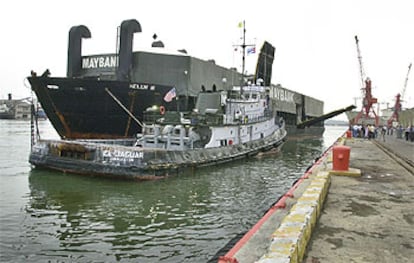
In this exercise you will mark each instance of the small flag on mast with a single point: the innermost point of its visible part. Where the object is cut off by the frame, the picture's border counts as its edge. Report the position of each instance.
(170, 95)
(240, 24)
(251, 50)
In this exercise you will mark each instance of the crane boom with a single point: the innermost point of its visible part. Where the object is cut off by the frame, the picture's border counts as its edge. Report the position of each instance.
(406, 81)
(361, 66)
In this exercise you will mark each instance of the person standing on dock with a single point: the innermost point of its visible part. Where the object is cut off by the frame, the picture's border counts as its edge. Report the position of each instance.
(371, 132)
(407, 133)
(355, 131)
(365, 131)
(399, 132)
(383, 132)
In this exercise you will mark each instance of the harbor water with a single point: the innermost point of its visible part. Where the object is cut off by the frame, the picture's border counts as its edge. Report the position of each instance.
(48, 216)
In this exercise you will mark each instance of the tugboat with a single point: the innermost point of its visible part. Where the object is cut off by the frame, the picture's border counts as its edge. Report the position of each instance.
(224, 126)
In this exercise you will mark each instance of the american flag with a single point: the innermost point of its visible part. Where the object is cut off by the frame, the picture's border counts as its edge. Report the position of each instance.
(251, 50)
(170, 95)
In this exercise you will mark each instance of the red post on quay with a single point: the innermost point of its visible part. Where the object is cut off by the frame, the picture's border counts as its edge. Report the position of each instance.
(340, 156)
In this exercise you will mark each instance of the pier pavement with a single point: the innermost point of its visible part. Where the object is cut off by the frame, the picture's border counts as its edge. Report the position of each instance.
(367, 218)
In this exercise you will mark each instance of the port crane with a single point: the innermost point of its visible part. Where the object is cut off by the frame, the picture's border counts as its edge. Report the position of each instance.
(367, 113)
(398, 99)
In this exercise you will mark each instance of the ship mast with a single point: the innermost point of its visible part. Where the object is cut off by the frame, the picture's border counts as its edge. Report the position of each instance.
(244, 54)
(243, 46)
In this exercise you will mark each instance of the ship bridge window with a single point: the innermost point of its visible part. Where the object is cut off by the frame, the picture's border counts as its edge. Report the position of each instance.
(52, 86)
(254, 96)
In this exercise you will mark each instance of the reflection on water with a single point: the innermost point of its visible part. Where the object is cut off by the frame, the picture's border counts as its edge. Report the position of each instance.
(186, 218)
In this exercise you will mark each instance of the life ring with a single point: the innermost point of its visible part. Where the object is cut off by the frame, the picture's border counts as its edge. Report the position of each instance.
(162, 110)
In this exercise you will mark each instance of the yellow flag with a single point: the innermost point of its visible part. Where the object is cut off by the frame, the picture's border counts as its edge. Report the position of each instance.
(240, 24)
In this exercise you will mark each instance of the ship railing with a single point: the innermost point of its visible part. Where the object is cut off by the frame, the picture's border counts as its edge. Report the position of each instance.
(169, 141)
(122, 142)
(250, 119)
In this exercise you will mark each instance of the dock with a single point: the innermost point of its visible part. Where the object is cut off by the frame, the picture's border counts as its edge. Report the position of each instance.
(365, 214)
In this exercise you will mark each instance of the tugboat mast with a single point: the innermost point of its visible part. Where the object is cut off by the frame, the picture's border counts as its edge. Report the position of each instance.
(243, 46)
(244, 53)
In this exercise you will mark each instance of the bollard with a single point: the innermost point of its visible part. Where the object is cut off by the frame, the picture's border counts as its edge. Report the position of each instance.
(340, 156)
(348, 134)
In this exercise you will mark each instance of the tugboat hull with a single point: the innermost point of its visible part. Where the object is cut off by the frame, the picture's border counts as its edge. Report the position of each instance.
(97, 158)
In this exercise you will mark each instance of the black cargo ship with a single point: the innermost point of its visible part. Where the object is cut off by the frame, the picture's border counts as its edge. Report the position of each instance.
(104, 96)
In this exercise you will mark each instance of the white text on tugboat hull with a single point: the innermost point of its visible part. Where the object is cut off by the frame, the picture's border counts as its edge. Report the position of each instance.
(122, 154)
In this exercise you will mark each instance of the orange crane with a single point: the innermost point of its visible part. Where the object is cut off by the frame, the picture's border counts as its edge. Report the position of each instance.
(398, 99)
(367, 113)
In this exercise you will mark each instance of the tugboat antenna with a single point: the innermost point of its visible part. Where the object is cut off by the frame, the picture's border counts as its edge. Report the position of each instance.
(243, 46)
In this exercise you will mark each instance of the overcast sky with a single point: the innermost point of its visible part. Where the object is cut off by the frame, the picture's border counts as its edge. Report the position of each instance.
(315, 46)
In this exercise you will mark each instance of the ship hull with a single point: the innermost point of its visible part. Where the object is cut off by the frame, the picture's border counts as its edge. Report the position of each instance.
(83, 108)
(110, 159)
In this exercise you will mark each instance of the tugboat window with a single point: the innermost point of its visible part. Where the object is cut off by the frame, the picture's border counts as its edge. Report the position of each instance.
(223, 142)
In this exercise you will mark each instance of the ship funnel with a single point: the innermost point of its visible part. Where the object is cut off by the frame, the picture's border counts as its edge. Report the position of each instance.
(128, 28)
(265, 64)
(76, 34)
